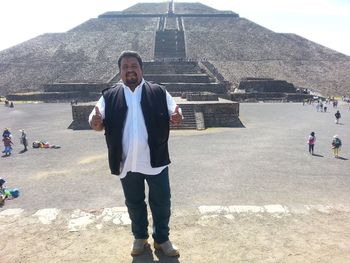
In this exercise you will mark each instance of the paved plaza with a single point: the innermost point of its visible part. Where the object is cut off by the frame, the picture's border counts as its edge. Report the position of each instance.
(250, 194)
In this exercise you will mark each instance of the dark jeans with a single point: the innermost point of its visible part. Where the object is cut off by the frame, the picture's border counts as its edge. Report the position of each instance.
(311, 148)
(159, 202)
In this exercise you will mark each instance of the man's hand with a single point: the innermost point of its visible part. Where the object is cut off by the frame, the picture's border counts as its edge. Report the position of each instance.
(176, 117)
(96, 120)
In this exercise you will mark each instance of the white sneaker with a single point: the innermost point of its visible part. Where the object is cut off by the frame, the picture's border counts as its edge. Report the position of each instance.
(138, 247)
(168, 249)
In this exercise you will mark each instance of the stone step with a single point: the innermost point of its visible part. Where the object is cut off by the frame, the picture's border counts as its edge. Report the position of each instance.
(170, 43)
(180, 67)
(215, 88)
(183, 127)
(75, 87)
(189, 121)
(55, 96)
(175, 78)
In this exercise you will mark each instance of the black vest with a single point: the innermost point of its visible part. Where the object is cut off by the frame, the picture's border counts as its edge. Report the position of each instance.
(156, 115)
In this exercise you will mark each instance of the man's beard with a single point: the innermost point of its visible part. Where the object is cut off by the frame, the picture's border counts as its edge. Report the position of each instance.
(133, 80)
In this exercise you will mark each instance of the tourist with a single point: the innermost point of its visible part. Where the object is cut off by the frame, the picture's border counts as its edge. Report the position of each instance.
(6, 133)
(2, 192)
(336, 145)
(337, 117)
(8, 145)
(318, 106)
(335, 103)
(23, 140)
(311, 142)
(135, 115)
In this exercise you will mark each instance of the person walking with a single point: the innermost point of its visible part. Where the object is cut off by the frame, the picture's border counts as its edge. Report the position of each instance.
(8, 145)
(337, 117)
(6, 138)
(336, 145)
(318, 106)
(311, 142)
(23, 140)
(135, 116)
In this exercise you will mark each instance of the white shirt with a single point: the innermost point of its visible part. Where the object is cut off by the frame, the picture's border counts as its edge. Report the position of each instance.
(136, 152)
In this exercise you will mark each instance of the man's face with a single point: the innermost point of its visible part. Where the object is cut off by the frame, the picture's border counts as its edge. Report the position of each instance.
(131, 72)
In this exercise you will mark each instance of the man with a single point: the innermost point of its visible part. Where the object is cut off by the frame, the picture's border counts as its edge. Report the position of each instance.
(337, 117)
(135, 115)
(24, 140)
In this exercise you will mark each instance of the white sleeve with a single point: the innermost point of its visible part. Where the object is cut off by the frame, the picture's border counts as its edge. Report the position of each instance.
(171, 103)
(101, 106)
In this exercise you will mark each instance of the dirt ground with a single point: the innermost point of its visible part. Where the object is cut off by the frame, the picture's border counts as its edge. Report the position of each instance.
(245, 237)
(283, 174)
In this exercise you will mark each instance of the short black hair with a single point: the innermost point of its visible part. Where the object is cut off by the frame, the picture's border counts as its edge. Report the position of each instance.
(128, 54)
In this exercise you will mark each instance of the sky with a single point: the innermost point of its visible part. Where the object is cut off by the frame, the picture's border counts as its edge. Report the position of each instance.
(326, 22)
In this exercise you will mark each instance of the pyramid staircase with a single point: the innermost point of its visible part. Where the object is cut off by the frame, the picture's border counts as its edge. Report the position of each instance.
(181, 78)
(189, 121)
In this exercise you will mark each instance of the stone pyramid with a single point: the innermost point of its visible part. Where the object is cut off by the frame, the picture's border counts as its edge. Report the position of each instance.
(234, 47)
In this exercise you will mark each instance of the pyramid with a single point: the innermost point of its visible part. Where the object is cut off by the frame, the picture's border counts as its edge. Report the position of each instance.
(234, 48)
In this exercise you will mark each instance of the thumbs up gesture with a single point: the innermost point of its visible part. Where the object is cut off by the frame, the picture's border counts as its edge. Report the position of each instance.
(96, 120)
(176, 117)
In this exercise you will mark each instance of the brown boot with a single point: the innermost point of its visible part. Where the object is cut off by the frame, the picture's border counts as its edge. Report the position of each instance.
(168, 249)
(138, 247)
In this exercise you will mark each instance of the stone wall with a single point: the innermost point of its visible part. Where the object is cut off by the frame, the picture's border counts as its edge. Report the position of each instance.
(202, 96)
(75, 87)
(220, 115)
(214, 114)
(182, 78)
(266, 85)
(178, 67)
(268, 96)
(196, 87)
(54, 96)
(80, 114)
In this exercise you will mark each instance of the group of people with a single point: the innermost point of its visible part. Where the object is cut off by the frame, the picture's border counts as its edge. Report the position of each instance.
(336, 141)
(322, 107)
(7, 140)
(9, 104)
(335, 144)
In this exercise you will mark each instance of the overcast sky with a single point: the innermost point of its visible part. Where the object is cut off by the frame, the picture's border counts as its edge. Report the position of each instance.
(326, 22)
